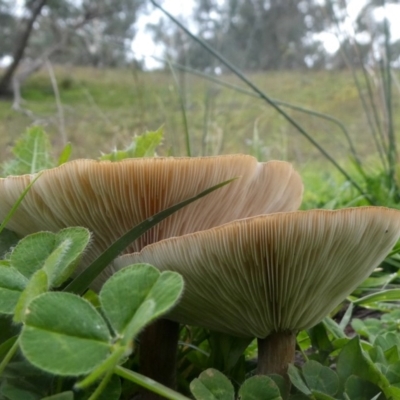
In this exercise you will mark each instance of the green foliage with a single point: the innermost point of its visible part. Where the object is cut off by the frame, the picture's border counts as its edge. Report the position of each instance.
(31, 153)
(24, 276)
(142, 146)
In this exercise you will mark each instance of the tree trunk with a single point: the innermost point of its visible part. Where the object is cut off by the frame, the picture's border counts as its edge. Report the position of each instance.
(21, 43)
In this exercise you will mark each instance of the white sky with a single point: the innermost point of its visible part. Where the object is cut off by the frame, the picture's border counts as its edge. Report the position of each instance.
(144, 47)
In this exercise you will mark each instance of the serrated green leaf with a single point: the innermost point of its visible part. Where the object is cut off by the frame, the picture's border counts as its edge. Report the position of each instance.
(64, 335)
(37, 285)
(137, 294)
(297, 380)
(142, 146)
(319, 378)
(31, 153)
(12, 283)
(212, 385)
(65, 154)
(259, 388)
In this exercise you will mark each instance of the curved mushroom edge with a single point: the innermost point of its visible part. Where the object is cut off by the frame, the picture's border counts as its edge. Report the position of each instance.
(272, 273)
(110, 198)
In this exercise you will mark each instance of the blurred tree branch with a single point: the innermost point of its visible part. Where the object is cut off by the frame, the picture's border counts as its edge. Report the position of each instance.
(35, 7)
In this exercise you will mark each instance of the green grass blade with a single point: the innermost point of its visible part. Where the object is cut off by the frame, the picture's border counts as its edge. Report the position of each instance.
(149, 384)
(285, 104)
(183, 110)
(385, 295)
(17, 203)
(82, 281)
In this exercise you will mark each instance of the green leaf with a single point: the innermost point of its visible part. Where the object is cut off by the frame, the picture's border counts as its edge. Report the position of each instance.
(6, 346)
(393, 373)
(360, 389)
(135, 295)
(259, 388)
(57, 253)
(82, 282)
(8, 239)
(61, 396)
(333, 328)
(212, 385)
(65, 154)
(384, 295)
(320, 378)
(13, 391)
(64, 335)
(387, 340)
(149, 384)
(226, 350)
(297, 380)
(31, 153)
(31, 252)
(282, 384)
(353, 361)
(16, 204)
(142, 146)
(112, 391)
(12, 283)
(37, 285)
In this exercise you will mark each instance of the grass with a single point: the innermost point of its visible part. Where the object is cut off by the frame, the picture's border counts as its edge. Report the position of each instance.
(104, 108)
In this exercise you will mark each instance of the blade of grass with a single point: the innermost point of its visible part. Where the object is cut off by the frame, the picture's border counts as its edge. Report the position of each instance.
(149, 384)
(85, 278)
(240, 75)
(17, 203)
(183, 110)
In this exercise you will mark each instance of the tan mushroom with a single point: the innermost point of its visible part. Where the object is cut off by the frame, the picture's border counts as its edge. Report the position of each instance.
(270, 276)
(111, 198)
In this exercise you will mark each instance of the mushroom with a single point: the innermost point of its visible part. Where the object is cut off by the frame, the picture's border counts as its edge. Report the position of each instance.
(111, 198)
(271, 276)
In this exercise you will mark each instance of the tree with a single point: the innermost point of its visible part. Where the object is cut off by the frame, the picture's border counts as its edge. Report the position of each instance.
(33, 9)
(89, 32)
(255, 34)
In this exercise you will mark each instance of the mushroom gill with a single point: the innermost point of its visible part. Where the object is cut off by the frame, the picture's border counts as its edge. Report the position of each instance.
(270, 276)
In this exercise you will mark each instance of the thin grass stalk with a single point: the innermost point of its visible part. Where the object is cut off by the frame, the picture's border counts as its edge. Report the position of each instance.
(206, 122)
(285, 104)
(240, 75)
(392, 151)
(378, 144)
(183, 109)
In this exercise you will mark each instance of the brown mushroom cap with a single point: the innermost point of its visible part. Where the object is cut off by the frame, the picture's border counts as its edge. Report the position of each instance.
(110, 198)
(279, 272)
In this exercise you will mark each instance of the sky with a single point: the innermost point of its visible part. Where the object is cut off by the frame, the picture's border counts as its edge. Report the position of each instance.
(145, 48)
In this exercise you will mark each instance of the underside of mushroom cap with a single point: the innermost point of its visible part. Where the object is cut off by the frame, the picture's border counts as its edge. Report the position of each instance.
(111, 198)
(279, 272)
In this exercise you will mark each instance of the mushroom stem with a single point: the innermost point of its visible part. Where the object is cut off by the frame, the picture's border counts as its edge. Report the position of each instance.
(275, 353)
(157, 355)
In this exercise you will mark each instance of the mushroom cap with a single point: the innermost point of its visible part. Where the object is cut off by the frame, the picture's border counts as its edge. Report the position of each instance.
(109, 198)
(278, 272)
